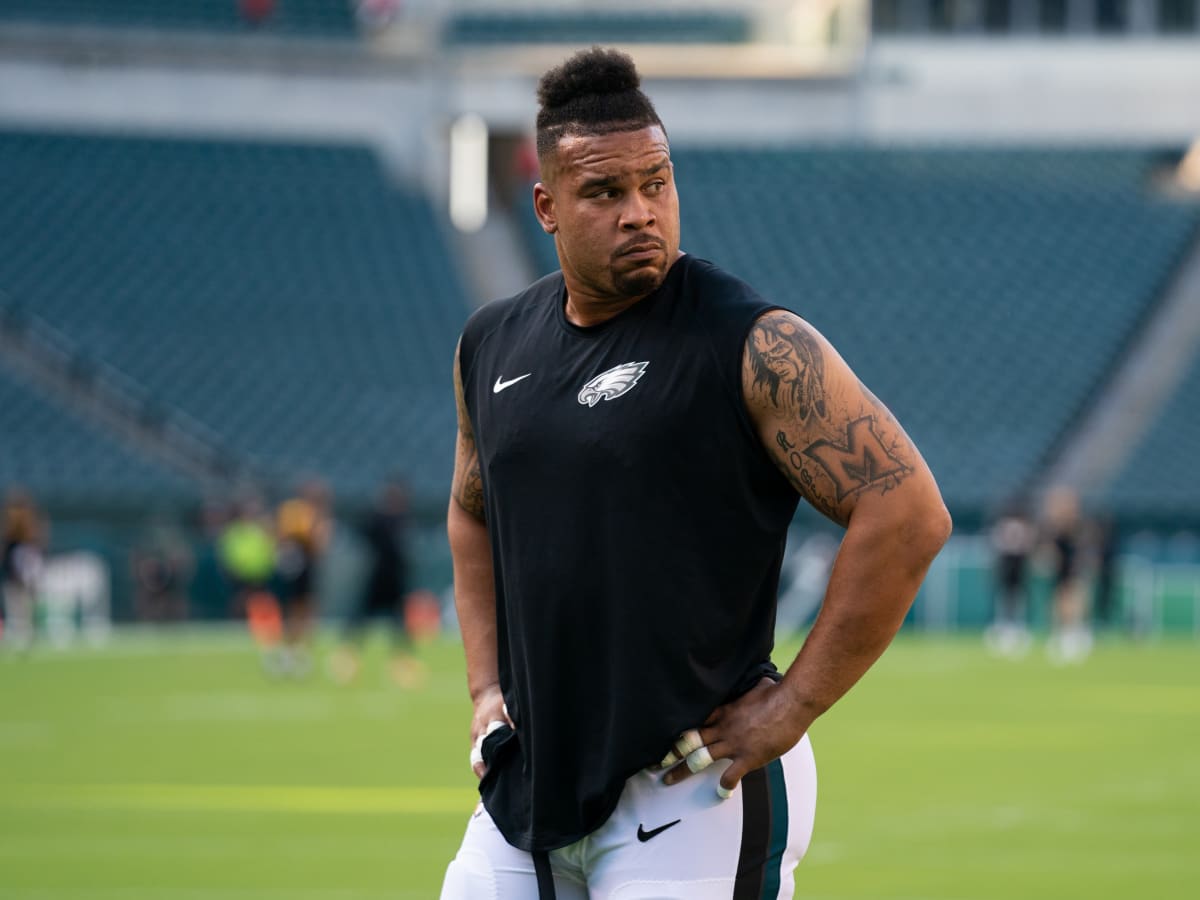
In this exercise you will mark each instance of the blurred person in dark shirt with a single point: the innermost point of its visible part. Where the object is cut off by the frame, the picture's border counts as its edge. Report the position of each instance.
(21, 563)
(1105, 546)
(162, 566)
(302, 527)
(384, 533)
(1013, 538)
(1070, 637)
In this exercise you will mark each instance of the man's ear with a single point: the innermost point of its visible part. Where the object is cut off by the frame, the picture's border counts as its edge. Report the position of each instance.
(543, 206)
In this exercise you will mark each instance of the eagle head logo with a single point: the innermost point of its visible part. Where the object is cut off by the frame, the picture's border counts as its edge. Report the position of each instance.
(612, 384)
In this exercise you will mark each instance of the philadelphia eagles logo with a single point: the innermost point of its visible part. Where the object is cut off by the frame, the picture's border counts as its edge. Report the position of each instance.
(612, 384)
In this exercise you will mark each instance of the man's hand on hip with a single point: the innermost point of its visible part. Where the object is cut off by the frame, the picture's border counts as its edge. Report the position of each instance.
(751, 731)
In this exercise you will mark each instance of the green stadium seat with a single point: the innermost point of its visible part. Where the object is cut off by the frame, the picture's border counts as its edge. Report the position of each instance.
(57, 455)
(1159, 480)
(308, 18)
(985, 295)
(602, 26)
(289, 298)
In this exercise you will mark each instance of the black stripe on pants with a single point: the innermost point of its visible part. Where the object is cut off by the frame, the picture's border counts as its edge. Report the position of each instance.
(756, 836)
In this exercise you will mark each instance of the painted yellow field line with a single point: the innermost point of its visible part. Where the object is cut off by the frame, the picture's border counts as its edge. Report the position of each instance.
(246, 798)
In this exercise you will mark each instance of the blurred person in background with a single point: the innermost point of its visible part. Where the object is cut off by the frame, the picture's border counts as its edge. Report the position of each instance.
(162, 564)
(1070, 636)
(25, 538)
(1104, 540)
(635, 432)
(208, 593)
(384, 533)
(246, 550)
(302, 528)
(1013, 539)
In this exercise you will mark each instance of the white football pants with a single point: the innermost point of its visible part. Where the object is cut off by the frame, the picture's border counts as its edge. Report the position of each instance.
(663, 843)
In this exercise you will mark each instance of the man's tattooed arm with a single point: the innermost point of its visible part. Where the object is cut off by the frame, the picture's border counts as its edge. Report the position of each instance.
(842, 450)
(466, 487)
(828, 434)
(787, 366)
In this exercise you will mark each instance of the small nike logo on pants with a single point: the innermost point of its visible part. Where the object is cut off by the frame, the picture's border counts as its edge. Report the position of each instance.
(644, 835)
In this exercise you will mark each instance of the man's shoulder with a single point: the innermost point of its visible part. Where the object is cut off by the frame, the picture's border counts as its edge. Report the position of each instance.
(497, 313)
(723, 292)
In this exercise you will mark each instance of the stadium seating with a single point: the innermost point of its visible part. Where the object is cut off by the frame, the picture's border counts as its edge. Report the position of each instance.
(303, 308)
(58, 456)
(1159, 479)
(288, 297)
(983, 294)
(323, 18)
(604, 26)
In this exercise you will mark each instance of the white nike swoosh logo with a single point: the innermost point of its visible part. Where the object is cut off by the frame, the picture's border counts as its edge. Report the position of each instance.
(501, 384)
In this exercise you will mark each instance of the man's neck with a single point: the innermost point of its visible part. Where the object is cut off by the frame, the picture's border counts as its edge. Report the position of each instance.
(585, 309)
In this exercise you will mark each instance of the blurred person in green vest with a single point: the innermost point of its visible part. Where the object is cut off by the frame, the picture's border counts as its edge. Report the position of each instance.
(246, 550)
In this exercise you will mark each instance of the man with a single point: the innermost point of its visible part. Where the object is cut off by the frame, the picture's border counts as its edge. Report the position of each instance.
(22, 559)
(1013, 538)
(302, 532)
(635, 432)
(384, 597)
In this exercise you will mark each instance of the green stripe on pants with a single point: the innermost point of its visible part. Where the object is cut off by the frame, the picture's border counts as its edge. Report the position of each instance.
(777, 791)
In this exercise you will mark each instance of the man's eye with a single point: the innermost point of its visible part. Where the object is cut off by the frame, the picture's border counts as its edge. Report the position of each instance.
(655, 187)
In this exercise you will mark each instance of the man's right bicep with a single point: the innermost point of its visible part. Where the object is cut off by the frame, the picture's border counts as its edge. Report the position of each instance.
(466, 488)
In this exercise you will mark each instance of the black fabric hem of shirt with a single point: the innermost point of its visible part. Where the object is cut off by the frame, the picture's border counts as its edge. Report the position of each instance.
(645, 304)
(765, 669)
(529, 845)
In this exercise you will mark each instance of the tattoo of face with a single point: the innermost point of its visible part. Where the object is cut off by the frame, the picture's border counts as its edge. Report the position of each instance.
(471, 494)
(467, 488)
(860, 462)
(786, 359)
(467, 484)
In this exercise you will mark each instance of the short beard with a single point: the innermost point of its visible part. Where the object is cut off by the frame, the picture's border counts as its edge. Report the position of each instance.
(638, 282)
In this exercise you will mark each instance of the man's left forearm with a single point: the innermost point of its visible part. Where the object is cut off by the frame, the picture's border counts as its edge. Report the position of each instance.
(879, 568)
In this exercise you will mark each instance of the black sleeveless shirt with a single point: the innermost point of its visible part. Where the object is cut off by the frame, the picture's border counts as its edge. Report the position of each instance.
(637, 529)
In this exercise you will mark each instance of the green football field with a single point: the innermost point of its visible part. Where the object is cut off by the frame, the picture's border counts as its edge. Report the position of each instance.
(170, 768)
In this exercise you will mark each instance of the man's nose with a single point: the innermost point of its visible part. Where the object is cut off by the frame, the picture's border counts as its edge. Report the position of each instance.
(637, 213)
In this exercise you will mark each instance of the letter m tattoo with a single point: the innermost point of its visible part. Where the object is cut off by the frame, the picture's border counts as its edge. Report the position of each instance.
(862, 461)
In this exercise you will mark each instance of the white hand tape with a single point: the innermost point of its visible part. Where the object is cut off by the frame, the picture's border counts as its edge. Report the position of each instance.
(688, 742)
(699, 760)
(477, 748)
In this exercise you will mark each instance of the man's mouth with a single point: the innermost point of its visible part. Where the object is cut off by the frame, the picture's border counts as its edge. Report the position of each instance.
(641, 250)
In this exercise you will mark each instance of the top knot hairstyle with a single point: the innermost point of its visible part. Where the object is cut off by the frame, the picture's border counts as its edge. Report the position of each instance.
(596, 91)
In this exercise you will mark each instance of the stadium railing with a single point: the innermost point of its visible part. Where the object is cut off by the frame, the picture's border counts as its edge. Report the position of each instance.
(1153, 598)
